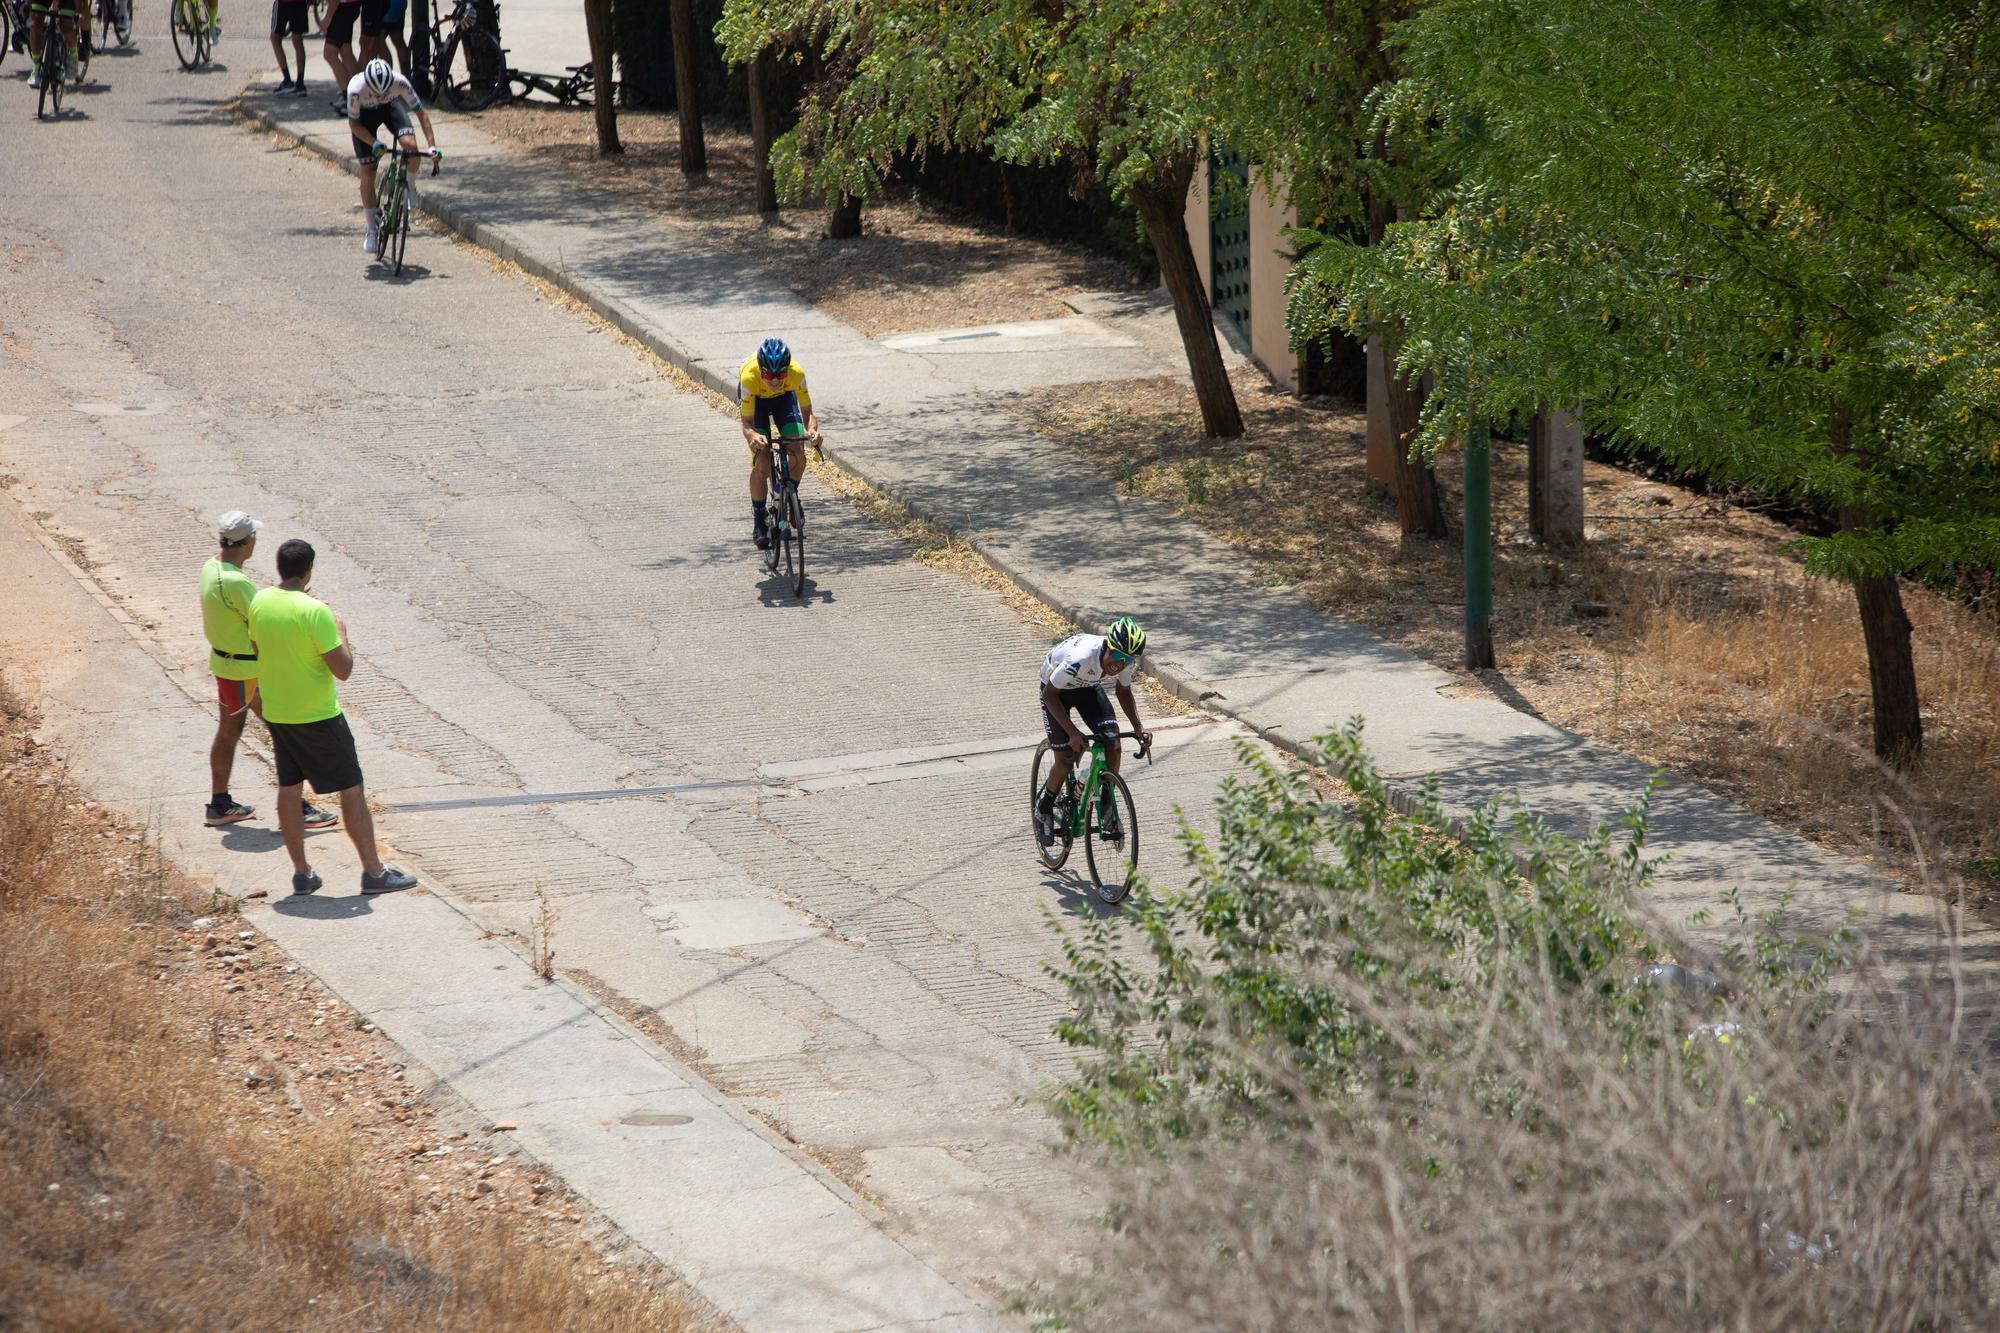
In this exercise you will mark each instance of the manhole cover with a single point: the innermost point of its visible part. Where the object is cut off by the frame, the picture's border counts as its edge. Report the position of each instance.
(655, 1118)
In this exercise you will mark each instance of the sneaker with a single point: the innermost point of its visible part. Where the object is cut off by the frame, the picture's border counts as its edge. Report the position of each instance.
(285, 85)
(307, 883)
(215, 816)
(391, 880)
(299, 89)
(318, 818)
(373, 244)
(339, 105)
(35, 77)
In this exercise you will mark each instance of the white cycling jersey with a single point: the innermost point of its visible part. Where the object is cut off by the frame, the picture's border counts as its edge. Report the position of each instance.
(1077, 664)
(359, 99)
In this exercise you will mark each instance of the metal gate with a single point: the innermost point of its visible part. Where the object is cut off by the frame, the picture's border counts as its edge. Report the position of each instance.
(1229, 237)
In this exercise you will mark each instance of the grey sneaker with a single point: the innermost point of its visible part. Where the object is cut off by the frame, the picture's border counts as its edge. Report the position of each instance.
(307, 883)
(317, 818)
(391, 880)
(215, 816)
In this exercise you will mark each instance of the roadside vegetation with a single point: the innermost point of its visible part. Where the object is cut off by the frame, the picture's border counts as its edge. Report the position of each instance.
(1375, 1071)
(164, 1165)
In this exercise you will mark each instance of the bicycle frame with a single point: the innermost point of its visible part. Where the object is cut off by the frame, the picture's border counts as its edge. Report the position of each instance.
(1092, 764)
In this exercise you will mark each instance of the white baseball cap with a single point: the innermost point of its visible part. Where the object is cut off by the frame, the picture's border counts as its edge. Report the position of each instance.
(236, 527)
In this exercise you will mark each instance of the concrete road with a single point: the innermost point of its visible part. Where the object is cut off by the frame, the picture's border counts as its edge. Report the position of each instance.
(539, 546)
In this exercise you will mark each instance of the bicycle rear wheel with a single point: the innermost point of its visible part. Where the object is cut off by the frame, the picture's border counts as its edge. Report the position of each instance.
(49, 104)
(473, 70)
(1056, 852)
(1114, 861)
(187, 41)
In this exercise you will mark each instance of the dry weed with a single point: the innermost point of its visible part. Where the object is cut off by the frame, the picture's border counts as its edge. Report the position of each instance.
(133, 1203)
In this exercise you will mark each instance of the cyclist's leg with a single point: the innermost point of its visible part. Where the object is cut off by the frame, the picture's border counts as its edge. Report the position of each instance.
(37, 14)
(394, 22)
(364, 154)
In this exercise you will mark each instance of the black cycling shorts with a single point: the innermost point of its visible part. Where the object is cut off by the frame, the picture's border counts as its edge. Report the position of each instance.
(290, 16)
(393, 114)
(375, 18)
(321, 753)
(340, 23)
(1093, 708)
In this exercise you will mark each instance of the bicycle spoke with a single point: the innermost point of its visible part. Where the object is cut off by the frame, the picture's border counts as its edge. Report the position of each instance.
(1111, 845)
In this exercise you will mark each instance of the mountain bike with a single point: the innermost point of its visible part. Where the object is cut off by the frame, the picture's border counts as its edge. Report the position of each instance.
(788, 514)
(189, 24)
(392, 200)
(1110, 846)
(471, 67)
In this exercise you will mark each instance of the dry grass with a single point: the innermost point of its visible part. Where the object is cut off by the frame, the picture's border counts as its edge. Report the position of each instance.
(914, 267)
(1714, 656)
(148, 1182)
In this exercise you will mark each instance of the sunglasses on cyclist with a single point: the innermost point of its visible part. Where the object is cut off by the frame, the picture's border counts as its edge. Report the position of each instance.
(1117, 656)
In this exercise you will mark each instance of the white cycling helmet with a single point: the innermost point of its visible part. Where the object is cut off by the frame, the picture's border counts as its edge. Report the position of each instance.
(377, 76)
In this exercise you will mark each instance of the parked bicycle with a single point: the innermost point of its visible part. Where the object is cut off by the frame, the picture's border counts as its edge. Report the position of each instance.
(188, 22)
(1090, 793)
(394, 207)
(471, 65)
(788, 513)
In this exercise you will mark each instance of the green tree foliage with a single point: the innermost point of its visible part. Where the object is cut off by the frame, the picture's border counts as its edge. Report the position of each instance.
(1762, 237)
(1115, 91)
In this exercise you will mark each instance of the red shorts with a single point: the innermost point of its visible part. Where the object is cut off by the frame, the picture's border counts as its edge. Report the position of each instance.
(235, 694)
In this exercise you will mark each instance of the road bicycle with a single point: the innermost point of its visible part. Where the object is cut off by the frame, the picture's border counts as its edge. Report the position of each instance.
(788, 513)
(56, 69)
(189, 24)
(1110, 846)
(392, 199)
(471, 67)
(114, 18)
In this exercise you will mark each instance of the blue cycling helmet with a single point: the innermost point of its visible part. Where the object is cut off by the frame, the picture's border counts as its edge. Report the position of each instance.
(774, 358)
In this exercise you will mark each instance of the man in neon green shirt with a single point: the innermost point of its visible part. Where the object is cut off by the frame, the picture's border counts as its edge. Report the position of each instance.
(232, 659)
(302, 650)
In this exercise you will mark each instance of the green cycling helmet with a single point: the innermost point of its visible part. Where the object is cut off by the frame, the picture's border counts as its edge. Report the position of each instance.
(1125, 637)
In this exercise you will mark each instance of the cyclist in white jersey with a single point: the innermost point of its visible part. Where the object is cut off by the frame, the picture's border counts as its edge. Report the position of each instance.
(1073, 677)
(379, 96)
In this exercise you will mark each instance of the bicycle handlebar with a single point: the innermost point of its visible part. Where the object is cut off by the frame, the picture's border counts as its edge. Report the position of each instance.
(1145, 745)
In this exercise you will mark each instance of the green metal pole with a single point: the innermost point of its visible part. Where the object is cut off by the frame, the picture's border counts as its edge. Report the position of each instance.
(1478, 548)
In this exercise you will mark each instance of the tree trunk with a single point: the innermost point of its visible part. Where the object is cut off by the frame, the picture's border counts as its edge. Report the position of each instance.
(843, 218)
(1161, 199)
(1892, 668)
(1555, 479)
(761, 72)
(687, 89)
(1419, 506)
(597, 23)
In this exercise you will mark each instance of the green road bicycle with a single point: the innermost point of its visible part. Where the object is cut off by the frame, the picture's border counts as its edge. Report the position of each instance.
(393, 207)
(788, 514)
(1097, 807)
(189, 24)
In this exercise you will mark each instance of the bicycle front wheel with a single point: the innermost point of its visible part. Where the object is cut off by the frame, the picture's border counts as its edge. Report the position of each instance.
(398, 239)
(797, 543)
(473, 70)
(1057, 851)
(1112, 847)
(187, 36)
(49, 103)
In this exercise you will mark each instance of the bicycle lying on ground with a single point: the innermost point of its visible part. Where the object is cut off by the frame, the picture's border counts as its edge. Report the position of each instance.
(788, 513)
(393, 203)
(1110, 846)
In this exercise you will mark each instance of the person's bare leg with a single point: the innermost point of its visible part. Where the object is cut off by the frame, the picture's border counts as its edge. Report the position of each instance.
(402, 52)
(222, 751)
(299, 56)
(760, 474)
(292, 824)
(354, 813)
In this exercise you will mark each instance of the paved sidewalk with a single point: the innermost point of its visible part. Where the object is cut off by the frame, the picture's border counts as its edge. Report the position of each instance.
(904, 412)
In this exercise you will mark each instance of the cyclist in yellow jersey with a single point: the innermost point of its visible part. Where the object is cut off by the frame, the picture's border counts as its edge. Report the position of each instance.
(771, 390)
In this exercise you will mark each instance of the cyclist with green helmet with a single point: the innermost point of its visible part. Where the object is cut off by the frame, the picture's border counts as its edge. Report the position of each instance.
(1073, 679)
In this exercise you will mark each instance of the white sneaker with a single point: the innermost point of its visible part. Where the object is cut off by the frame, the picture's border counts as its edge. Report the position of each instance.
(373, 245)
(35, 77)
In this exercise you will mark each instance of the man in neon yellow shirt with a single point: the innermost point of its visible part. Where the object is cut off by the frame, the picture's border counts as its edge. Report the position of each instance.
(232, 659)
(771, 391)
(301, 651)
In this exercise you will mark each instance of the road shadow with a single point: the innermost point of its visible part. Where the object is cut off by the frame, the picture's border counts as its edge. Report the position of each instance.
(776, 590)
(319, 907)
(1074, 895)
(256, 838)
(378, 272)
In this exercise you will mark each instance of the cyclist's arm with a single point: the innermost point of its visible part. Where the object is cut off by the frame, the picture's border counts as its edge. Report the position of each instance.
(1052, 701)
(424, 119)
(1129, 701)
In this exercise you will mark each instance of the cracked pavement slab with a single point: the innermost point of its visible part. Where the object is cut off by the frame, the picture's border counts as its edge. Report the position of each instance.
(539, 547)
